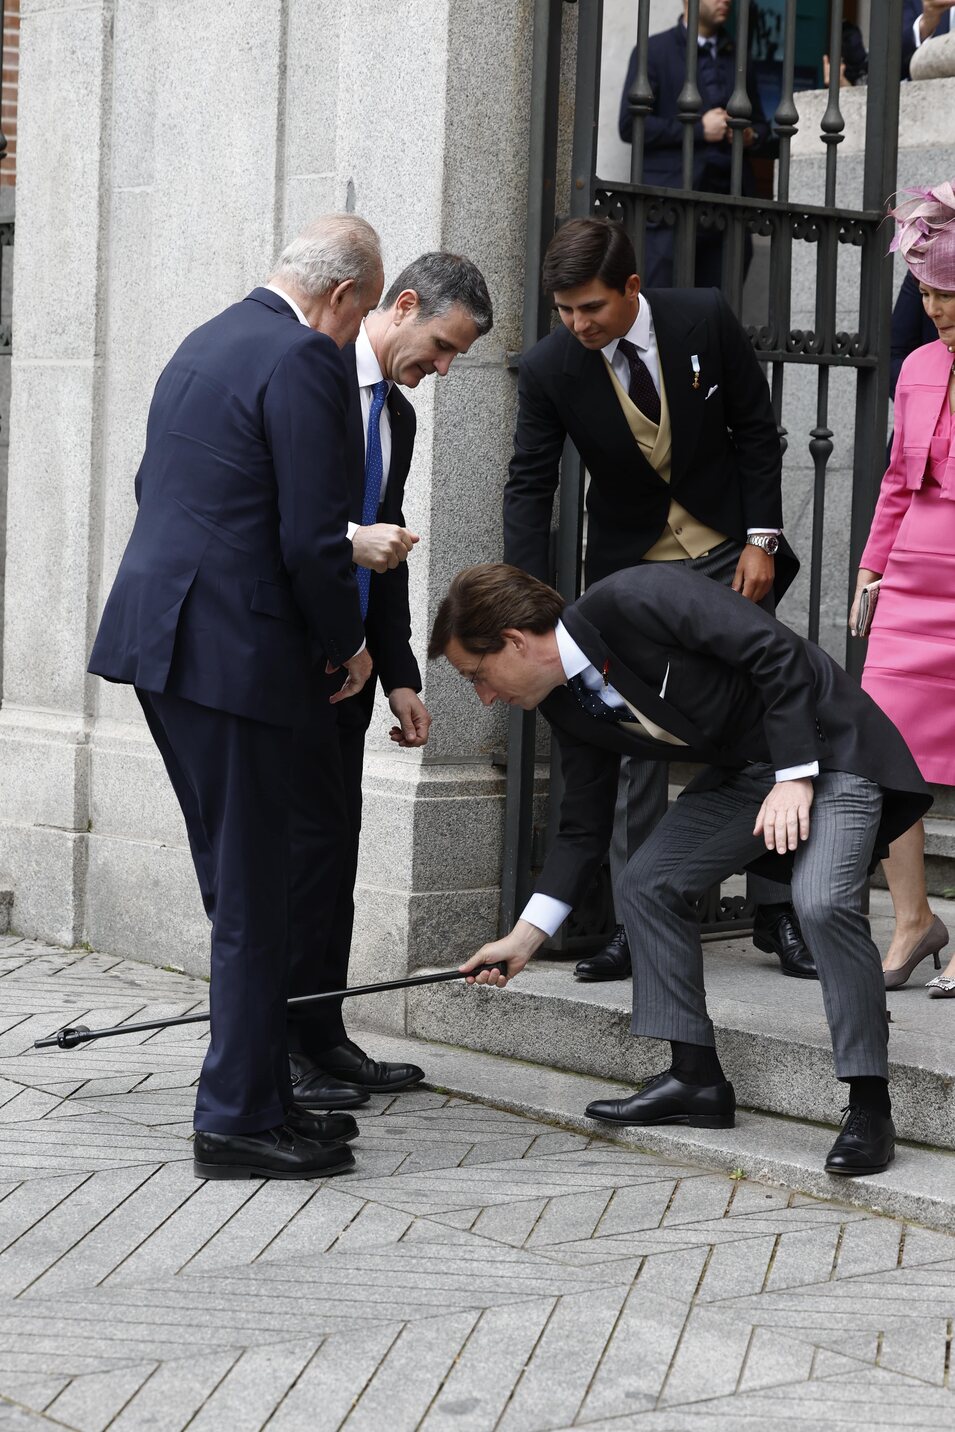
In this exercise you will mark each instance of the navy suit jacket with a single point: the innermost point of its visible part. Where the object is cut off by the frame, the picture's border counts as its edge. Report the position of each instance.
(388, 621)
(911, 10)
(237, 577)
(663, 132)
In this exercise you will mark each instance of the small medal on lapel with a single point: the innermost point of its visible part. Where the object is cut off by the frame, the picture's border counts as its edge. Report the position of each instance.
(695, 365)
(605, 673)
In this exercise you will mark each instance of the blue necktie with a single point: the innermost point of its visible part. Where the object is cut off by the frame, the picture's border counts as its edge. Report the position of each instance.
(374, 471)
(593, 703)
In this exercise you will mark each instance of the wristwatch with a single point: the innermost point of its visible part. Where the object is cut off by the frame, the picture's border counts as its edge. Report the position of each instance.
(768, 541)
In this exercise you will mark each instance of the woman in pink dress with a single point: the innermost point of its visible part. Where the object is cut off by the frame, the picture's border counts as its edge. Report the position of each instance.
(910, 663)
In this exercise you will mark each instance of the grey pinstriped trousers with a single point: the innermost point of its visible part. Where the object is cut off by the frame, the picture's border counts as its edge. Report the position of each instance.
(707, 835)
(642, 788)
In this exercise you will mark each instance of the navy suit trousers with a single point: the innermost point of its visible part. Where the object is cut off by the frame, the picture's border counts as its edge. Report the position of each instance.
(328, 757)
(231, 776)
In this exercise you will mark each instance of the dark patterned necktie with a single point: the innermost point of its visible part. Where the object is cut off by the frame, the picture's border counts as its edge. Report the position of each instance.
(642, 392)
(594, 705)
(374, 473)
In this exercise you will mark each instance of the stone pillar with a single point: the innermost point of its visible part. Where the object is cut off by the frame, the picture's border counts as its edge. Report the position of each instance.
(56, 433)
(168, 149)
(452, 174)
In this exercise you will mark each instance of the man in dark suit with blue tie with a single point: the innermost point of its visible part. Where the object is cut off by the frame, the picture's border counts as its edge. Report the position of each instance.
(921, 21)
(432, 313)
(663, 134)
(235, 584)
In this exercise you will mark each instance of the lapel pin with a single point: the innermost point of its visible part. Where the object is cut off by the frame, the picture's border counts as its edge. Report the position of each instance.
(695, 365)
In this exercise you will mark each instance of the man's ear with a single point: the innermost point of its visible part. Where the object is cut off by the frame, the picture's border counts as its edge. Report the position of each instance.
(341, 291)
(406, 305)
(517, 639)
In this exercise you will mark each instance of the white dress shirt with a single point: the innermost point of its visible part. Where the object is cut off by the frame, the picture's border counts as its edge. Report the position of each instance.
(644, 339)
(369, 373)
(546, 911)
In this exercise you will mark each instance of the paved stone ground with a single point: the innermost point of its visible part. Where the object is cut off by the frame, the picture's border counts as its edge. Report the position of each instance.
(478, 1271)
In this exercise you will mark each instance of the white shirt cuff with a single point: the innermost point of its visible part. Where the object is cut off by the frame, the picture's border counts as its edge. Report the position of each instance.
(763, 531)
(359, 651)
(546, 913)
(798, 773)
(917, 32)
(352, 529)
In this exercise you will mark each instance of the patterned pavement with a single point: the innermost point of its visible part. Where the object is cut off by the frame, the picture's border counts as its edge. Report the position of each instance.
(478, 1271)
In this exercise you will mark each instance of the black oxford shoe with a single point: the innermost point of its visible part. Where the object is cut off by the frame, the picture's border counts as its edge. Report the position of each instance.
(346, 1061)
(273, 1153)
(610, 963)
(665, 1100)
(866, 1143)
(313, 1088)
(321, 1128)
(780, 935)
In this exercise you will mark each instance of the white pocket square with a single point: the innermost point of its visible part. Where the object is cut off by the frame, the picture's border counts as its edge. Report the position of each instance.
(711, 392)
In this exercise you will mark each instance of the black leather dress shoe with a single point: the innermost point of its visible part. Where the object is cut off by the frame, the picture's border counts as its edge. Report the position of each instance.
(866, 1143)
(779, 934)
(665, 1100)
(273, 1153)
(346, 1061)
(313, 1088)
(610, 963)
(321, 1128)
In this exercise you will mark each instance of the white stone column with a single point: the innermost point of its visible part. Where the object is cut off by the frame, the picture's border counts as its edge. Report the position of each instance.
(432, 143)
(168, 147)
(55, 437)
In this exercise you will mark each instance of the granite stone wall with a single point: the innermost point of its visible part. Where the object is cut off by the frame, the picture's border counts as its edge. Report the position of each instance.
(167, 150)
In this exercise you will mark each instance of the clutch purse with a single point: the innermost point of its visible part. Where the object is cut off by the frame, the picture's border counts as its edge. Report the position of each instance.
(868, 598)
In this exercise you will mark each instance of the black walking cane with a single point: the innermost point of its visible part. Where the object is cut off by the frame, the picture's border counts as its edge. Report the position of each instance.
(73, 1034)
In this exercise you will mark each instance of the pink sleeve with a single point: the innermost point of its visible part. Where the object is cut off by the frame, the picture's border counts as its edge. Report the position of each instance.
(893, 503)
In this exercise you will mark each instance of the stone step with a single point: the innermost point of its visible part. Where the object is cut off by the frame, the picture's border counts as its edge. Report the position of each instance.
(771, 1032)
(919, 1185)
(6, 904)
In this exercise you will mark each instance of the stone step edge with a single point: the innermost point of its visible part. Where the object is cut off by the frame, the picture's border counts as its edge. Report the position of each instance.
(770, 1149)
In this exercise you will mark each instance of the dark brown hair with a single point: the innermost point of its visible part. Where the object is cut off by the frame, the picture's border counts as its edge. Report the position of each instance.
(585, 249)
(485, 600)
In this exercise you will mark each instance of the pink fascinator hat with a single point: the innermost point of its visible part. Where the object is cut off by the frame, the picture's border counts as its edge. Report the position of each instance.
(925, 235)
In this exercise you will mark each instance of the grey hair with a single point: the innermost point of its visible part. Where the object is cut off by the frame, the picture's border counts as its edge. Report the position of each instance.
(442, 280)
(328, 251)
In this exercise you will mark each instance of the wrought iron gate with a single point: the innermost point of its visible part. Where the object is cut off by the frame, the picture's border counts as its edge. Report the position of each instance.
(778, 345)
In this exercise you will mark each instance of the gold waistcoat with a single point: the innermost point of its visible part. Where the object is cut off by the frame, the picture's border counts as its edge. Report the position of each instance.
(684, 536)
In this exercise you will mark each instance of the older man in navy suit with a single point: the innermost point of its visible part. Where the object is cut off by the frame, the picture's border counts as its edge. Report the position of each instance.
(235, 589)
(663, 134)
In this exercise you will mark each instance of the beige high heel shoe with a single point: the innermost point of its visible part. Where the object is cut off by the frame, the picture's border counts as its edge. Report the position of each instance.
(934, 939)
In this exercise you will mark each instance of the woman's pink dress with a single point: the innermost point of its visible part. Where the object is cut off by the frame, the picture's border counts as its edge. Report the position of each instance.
(910, 664)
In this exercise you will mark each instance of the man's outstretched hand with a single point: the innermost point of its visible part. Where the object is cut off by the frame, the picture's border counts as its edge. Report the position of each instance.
(783, 819)
(514, 950)
(358, 668)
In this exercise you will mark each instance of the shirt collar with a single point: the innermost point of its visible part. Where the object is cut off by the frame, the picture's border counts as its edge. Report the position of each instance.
(274, 288)
(640, 334)
(366, 363)
(572, 659)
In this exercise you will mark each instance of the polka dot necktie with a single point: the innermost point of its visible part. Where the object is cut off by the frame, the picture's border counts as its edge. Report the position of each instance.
(374, 471)
(642, 392)
(593, 703)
